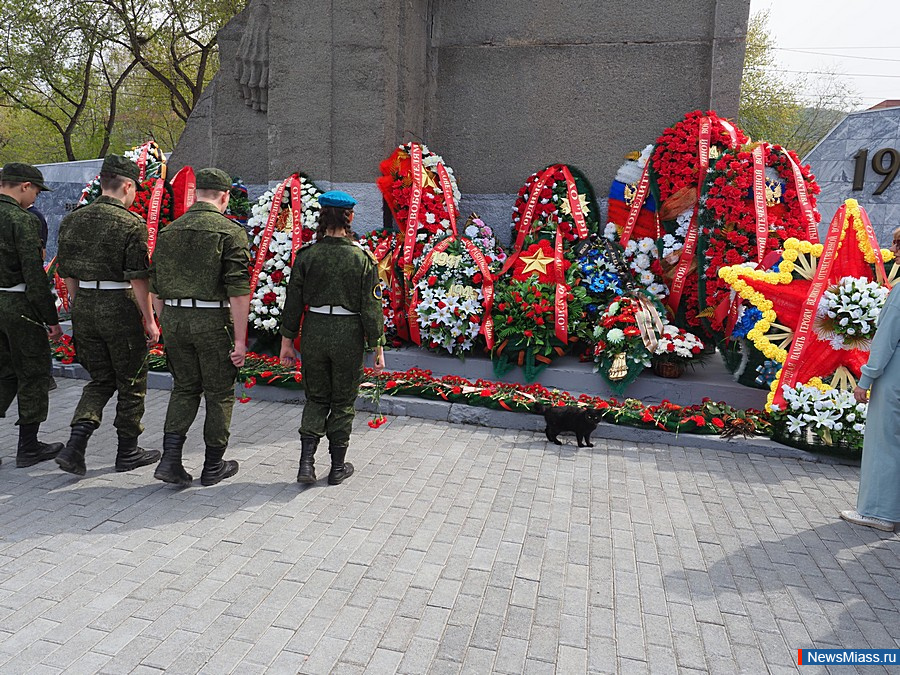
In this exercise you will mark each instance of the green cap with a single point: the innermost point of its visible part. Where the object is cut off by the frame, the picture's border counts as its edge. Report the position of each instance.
(213, 179)
(17, 172)
(119, 165)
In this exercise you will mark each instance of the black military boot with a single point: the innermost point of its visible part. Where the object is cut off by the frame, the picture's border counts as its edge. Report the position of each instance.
(170, 468)
(130, 456)
(215, 469)
(71, 459)
(31, 450)
(340, 470)
(307, 473)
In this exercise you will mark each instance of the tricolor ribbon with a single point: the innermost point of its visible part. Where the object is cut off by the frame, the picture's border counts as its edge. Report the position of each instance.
(759, 201)
(266, 238)
(449, 197)
(159, 187)
(802, 336)
(415, 205)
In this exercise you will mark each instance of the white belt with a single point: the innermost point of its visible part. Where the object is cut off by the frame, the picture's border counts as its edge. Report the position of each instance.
(200, 304)
(18, 288)
(332, 309)
(105, 285)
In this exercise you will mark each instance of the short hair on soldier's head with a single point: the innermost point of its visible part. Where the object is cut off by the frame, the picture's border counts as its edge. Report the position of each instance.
(9, 184)
(112, 182)
(211, 195)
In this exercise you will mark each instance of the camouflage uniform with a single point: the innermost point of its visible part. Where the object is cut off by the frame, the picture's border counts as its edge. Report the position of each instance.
(205, 256)
(336, 272)
(24, 348)
(105, 242)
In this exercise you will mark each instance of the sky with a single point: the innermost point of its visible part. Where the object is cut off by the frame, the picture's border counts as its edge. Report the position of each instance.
(858, 39)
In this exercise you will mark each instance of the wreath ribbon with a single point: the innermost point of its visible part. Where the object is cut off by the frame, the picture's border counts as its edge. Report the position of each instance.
(184, 185)
(690, 240)
(759, 200)
(575, 204)
(812, 233)
(415, 205)
(266, 238)
(142, 160)
(880, 272)
(637, 203)
(804, 330)
(294, 185)
(449, 197)
(487, 290)
(414, 331)
(159, 188)
(560, 306)
(524, 226)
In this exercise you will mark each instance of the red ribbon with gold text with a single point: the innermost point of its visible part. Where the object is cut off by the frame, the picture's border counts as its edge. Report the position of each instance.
(156, 196)
(801, 341)
(812, 233)
(637, 203)
(414, 333)
(296, 215)
(449, 197)
(759, 201)
(266, 238)
(184, 186)
(561, 307)
(524, 226)
(487, 290)
(575, 204)
(415, 205)
(397, 297)
(690, 240)
(142, 161)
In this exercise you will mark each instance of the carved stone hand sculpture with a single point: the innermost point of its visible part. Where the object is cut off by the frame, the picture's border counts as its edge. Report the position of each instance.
(252, 72)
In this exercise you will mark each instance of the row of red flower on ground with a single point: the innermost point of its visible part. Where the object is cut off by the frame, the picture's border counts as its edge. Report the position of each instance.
(707, 417)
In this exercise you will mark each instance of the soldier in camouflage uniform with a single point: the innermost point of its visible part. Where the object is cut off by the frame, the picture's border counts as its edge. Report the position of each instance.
(336, 281)
(26, 306)
(103, 259)
(201, 287)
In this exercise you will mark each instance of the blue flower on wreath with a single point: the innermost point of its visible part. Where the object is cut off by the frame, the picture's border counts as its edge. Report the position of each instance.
(746, 323)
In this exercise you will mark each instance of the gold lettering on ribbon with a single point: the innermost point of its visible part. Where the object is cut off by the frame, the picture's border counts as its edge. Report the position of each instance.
(575, 204)
(266, 239)
(637, 204)
(153, 214)
(524, 226)
(142, 161)
(812, 233)
(449, 197)
(561, 307)
(487, 290)
(415, 205)
(296, 216)
(759, 201)
(789, 370)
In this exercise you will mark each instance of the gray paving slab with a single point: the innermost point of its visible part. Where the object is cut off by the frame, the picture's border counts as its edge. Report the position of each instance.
(453, 549)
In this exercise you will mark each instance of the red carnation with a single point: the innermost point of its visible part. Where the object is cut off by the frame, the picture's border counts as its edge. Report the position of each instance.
(269, 298)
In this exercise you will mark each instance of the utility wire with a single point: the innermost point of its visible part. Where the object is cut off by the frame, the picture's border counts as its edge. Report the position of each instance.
(821, 72)
(840, 56)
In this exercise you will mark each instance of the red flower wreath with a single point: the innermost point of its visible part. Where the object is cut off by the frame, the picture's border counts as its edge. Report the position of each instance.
(728, 220)
(537, 259)
(141, 205)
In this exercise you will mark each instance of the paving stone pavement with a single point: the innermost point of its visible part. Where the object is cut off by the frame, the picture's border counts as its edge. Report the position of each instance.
(452, 549)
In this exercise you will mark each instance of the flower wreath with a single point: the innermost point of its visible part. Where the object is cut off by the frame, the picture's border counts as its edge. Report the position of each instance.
(269, 294)
(620, 354)
(151, 161)
(541, 306)
(453, 290)
(732, 210)
(790, 297)
(144, 199)
(435, 209)
(672, 177)
(830, 414)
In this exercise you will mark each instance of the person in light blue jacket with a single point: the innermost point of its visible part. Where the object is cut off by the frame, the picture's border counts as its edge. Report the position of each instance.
(878, 501)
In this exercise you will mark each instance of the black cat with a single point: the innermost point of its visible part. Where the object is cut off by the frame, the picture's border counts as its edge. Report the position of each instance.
(569, 418)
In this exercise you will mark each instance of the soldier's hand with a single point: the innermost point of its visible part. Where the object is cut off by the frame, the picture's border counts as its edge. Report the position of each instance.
(379, 359)
(55, 332)
(288, 354)
(239, 354)
(152, 331)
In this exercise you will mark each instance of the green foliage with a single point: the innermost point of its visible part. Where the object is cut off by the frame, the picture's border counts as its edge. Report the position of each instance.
(795, 112)
(81, 78)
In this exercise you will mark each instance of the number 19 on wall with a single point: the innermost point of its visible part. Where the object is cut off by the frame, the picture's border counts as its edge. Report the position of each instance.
(889, 170)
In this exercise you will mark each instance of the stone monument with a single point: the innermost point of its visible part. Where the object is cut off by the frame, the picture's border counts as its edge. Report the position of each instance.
(499, 88)
(860, 159)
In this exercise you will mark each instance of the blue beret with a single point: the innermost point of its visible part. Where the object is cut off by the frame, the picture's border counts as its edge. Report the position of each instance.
(337, 198)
